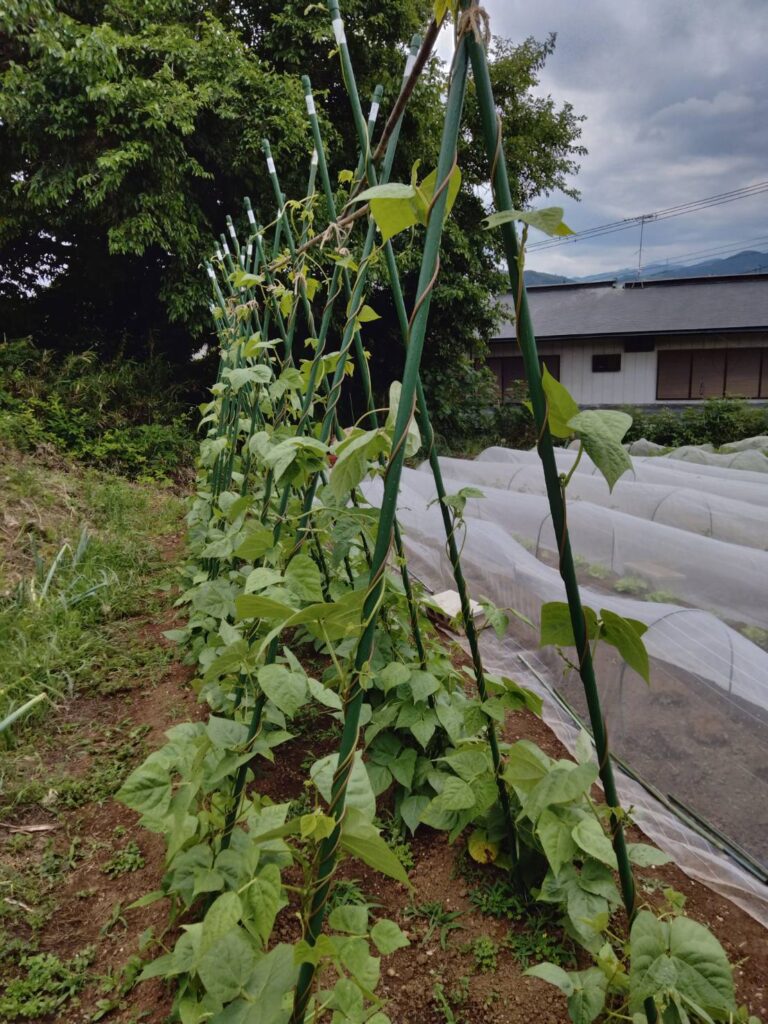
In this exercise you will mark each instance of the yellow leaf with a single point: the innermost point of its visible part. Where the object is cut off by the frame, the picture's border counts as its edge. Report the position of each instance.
(481, 848)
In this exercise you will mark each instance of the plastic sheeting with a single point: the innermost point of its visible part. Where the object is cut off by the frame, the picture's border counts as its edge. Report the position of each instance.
(739, 485)
(648, 557)
(760, 442)
(698, 736)
(703, 455)
(710, 515)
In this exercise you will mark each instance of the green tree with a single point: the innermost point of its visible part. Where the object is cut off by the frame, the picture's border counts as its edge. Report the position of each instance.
(129, 128)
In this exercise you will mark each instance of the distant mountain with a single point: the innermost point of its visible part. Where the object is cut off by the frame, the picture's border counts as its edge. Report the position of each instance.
(539, 277)
(747, 262)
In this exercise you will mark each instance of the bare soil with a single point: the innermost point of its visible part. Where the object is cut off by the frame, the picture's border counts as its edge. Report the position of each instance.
(85, 897)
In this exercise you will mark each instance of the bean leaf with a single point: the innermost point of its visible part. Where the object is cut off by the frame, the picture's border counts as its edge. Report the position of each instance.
(556, 628)
(625, 635)
(601, 432)
(561, 408)
(679, 957)
(549, 220)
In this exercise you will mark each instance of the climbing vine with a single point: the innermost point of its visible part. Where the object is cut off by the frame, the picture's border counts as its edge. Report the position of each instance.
(299, 601)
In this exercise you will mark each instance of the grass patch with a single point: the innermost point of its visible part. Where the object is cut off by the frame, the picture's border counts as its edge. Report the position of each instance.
(27, 779)
(47, 983)
(130, 858)
(82, 554)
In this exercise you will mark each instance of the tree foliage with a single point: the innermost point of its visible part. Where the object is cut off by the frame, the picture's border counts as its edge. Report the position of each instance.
(129, 128)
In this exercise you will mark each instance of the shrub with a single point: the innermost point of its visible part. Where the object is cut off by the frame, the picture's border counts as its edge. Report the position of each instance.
(121, 414)
(717, 421)
(462, 400)
(468, 416)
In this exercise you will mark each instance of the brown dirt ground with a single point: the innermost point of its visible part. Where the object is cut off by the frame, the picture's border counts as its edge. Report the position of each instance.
(86, 897)
(409, 976)
(505, 996)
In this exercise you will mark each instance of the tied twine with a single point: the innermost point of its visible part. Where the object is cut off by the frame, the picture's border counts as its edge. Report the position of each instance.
(475, 20)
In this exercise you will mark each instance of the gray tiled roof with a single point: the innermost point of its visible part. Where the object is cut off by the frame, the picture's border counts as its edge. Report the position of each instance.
(670, 306)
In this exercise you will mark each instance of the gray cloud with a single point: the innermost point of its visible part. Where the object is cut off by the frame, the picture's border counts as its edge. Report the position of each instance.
(675, 96)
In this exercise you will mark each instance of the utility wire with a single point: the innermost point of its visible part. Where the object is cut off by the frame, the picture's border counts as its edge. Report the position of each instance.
(681, 209)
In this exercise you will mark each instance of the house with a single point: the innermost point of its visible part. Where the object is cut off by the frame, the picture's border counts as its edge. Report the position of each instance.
(674, 340)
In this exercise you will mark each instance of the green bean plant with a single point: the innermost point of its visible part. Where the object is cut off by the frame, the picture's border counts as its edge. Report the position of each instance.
(298, 598)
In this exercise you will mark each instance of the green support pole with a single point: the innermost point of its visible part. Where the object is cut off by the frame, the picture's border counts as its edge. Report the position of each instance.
(527, 342)
(354, 696)
(362, 362)
(429, 439)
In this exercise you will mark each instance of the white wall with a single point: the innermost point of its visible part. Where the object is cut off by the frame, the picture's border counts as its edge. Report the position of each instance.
(635, 383)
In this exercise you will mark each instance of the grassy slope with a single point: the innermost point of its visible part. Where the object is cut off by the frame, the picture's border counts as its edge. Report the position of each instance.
(78, 549)
(91, 639)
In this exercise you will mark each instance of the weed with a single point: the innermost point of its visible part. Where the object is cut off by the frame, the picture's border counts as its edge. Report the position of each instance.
(130, 858)
(18, 843)
(443, 1005)
(485, 951)
(437, 919)
(404, 854)
(662, 597)
(492, 998)
(330, 734)
(47, 983)
(459, 994)
(117, 987)
(598, 572)
(54, 864)
(539, 941)
(498, 899)
(675, 901)
(394, 832)
(630, 585)
(115, 918)
(302, 804)
(448, 1002)
(757, 635)
(347, 892)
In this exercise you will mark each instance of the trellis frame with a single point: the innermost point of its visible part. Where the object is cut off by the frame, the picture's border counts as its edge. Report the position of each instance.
(470, 50)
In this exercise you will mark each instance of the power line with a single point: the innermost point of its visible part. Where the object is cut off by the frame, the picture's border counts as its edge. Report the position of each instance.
(681, 209)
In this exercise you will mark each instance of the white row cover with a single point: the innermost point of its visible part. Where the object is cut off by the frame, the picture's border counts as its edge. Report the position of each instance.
(753, 461)
(730, 483)
(710, 515)
(728, 579)
(699, 733)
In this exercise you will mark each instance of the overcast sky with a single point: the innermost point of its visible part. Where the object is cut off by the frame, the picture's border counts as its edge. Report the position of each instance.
(676, 98)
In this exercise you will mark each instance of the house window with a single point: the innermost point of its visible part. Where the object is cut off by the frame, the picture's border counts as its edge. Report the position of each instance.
(711, 373)
(510, 369)
(708, 373)
(606, 362)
